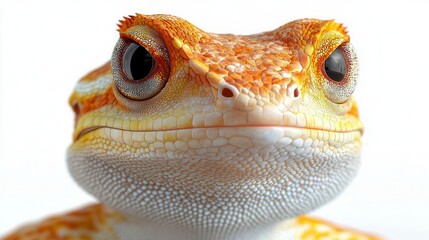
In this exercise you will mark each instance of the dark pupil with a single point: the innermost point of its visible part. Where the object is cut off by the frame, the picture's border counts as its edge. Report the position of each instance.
(137, 62)
(335, 66)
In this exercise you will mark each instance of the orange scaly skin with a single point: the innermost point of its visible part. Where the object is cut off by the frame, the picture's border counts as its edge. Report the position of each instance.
(228, 137)
(95, 222)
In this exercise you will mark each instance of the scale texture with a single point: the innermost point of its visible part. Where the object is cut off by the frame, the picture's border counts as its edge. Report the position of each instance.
(192, 135)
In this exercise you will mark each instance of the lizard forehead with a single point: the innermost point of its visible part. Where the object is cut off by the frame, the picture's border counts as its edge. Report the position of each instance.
(254, 62)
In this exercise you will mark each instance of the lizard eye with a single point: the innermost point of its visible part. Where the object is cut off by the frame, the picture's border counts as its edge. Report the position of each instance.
(140, 70)
(335, 67)
(340, 70)
(137, 62)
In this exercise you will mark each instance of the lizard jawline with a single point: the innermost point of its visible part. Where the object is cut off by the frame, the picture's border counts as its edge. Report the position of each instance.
(91, 129)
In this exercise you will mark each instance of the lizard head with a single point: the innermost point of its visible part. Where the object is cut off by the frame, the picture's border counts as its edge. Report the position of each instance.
(208, 130)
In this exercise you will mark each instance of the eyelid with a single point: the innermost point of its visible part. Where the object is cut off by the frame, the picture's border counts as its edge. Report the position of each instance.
(327, 43)
(147, 38)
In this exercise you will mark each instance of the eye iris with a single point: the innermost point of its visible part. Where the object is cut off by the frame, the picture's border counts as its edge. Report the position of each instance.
(137, 62)
(335, 66)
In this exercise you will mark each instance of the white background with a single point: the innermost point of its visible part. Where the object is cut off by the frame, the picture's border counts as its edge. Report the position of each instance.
(46, 46)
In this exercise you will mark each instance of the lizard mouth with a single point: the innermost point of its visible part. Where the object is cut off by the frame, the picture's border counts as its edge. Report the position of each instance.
(86, 131)
(94, 128)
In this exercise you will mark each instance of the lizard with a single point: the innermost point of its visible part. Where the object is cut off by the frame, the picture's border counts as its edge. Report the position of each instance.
(185, 134)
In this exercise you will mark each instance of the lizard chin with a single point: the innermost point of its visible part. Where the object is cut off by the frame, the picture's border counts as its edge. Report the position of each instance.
(201, 180)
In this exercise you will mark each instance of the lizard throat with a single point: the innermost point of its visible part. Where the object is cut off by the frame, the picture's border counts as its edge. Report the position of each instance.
(206, 179)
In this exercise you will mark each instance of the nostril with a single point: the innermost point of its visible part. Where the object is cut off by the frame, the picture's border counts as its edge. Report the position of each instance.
(227, 93)
(293, 91)
(296, 93)
(77, 109)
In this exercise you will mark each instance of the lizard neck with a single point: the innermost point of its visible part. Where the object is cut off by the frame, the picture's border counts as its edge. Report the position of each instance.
(135, 229)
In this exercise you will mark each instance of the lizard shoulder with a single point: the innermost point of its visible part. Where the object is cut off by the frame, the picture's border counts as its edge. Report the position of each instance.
(90, 222)
(314, 228)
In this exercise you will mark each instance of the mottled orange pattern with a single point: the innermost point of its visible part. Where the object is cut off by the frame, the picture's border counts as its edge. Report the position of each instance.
(87, 103)
(90, 103)
(316, 229)
(82, 224)
(259, 56)
(88, 222)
